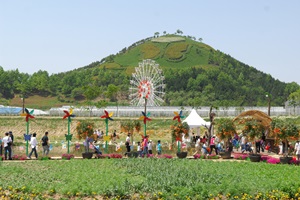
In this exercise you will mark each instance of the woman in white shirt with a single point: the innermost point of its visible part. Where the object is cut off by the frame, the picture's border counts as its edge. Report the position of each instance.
(7, 146)
(33, 143)
(150, 147)
(297, 149)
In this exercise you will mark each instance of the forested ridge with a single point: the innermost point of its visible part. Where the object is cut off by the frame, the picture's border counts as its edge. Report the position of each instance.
(195, 75)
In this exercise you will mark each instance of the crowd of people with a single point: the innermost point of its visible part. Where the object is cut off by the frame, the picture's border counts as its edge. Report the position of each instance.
(144, 147)
(7, 142)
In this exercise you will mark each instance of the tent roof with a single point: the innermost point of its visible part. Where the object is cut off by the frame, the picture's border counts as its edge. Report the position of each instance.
(194, 120)
(262, 117)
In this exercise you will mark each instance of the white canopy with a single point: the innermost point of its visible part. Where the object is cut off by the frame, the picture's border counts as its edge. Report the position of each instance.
(194, 120)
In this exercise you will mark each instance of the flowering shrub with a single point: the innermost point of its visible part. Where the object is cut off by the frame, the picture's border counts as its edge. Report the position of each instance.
(226, 128)
(285, 129)
(178, 129)
(84, 129)
(273, 161)
(17, 157)
(67, 156)
(252, 128)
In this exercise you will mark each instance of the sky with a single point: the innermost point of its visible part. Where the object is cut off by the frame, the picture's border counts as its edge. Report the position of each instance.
(58, 36)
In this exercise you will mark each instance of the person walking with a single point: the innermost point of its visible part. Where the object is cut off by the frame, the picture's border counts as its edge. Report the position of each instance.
(33, 143)
(45, 144)
(0, 146)
(127, 144)
(139, 149)
(198, 147)
(158, 148)
(7, 142)
(150, 147)
(213, 145)
(11, 135)
(145, 146)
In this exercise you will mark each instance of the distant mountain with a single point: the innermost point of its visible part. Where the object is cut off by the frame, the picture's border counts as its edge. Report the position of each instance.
(195, 75)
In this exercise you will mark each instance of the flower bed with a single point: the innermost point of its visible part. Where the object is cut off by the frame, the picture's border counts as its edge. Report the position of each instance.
(67, 156)
(273, 160)
(19, 157)
(112, 155)
(165, 156)
(240, 156)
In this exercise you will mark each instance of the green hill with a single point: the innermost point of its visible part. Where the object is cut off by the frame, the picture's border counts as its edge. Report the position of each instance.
(195, 75)
(169, 51)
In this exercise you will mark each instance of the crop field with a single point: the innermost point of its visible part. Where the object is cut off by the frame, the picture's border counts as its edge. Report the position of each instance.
(148, 178)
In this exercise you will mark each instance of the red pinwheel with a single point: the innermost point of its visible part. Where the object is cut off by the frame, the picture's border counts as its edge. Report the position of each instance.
(68, 114)
(145, 117)
(178, 116)
(28, 114)
(107, 115)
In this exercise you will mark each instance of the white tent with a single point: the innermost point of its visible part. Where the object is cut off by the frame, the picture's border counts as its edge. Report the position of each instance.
(194, 120)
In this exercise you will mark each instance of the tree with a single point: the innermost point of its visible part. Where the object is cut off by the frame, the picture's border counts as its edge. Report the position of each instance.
(112, 93)
(179, 32)
(90, 93)
(294, 99)
(200, 39)
(156, 34)
(165, 32)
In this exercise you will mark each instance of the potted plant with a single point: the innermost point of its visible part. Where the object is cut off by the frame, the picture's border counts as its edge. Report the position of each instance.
(85, 130)
(178, 130)
(225, 132)
(285, 130)
(253, 130)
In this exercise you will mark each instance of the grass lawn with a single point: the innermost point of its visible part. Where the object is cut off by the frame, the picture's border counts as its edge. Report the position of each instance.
(148, 179)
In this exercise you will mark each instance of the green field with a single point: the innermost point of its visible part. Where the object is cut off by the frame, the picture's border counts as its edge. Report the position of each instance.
(148, 179)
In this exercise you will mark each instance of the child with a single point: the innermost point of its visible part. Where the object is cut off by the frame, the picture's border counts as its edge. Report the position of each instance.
(139, 149)
(150, 147)
(158, 148)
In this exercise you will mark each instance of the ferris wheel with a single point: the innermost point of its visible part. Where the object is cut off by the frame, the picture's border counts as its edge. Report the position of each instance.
(147, 83)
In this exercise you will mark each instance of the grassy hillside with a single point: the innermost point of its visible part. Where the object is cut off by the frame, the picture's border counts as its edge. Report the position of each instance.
(168, 51)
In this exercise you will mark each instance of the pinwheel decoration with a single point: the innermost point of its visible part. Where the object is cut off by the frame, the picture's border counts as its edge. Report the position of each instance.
(145, 118)
(178, 116)
(107, 116)
(69, 115)
(28, 115)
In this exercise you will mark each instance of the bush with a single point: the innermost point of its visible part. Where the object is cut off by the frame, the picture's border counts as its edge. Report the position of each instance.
(84, 129)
